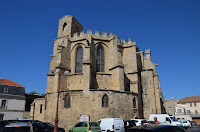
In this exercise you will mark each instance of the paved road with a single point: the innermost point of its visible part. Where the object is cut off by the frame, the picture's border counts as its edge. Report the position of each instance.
(193, 129)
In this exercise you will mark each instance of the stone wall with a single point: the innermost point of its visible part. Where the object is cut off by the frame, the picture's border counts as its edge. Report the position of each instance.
(89, 103)
(38, 109)
(148, 95)
(170, 105)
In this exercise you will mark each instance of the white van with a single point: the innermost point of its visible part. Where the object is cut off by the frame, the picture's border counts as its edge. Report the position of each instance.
(112, 124)
(165, 119)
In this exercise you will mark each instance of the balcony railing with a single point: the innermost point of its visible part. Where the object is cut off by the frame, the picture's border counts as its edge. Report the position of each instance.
(189, 113)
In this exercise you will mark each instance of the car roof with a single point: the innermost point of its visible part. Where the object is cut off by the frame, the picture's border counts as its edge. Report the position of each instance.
(138, 119)
(182, 120)
(88, 121)
(128, 120)
(112, 118)
(19, 124)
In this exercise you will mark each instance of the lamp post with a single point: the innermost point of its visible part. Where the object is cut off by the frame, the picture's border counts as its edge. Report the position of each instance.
(66, 73)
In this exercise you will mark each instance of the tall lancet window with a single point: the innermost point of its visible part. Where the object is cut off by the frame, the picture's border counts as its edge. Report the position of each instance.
(105, 100)
(134, 103)
(79, 59)
(67, 101)
(100, 59)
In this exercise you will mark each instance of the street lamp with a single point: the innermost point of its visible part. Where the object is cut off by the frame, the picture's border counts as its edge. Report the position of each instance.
(66, 73)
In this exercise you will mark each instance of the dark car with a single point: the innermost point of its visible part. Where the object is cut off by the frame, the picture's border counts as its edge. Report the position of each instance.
(155, 128)
(2, 125)
(20, 120)
(128, 124)
(30, 126)
(44, 127)
(17, 127)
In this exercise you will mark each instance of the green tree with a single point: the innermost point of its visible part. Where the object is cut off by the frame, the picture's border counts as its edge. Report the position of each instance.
(33, 93)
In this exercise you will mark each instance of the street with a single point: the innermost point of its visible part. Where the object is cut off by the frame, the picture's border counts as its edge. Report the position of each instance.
(194, 129)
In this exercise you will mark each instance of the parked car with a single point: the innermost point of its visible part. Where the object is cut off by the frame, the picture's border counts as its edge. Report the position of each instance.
(30, 126)
(151, 122)
(128, 124)
(155, 128)
(112, 124)
(190, 122)
(45, 127)
(193, 123)
(20, 120)
(17, 127)
(185, 123)
(86, 126)
(139, 122)
(2, 125)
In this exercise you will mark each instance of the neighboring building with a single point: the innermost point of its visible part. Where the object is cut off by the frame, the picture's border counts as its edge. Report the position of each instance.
(189, 108)
(12, 100)
(29, 100)
(108, 78)
(170, 106)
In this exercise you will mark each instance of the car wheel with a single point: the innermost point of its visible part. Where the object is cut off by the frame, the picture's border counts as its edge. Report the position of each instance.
(70, 131)
(108, 131)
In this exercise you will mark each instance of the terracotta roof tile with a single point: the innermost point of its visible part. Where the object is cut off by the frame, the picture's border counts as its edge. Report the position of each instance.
(8, 82)
(189, 99)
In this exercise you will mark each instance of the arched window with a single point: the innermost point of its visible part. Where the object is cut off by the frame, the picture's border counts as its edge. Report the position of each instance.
(100, 59)
(134, 103)
(40, 108)
(64, 26)
(79, 59)
(105, 101)
(67, 101)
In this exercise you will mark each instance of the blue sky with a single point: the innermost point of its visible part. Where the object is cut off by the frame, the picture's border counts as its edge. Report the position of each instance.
(170, 28)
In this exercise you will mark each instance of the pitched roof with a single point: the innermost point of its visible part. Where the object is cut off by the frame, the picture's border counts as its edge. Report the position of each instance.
(189, 99)
(8, 82)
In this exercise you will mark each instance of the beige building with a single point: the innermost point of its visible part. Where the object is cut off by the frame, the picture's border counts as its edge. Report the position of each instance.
(170, 106)
(189, 108)
(108, 77)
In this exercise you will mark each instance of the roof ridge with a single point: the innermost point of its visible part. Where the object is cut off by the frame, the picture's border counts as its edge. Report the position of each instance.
(9, 82)
(190, 99)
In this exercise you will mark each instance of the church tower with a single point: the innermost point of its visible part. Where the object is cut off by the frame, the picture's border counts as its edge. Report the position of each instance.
(68, 25)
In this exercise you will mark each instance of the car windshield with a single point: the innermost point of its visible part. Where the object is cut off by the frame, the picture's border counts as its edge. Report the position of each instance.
(93, 124)
(131, 122)
(173, 118)
(144, 121)
(48, 124)
(16, 129)
(39, 124)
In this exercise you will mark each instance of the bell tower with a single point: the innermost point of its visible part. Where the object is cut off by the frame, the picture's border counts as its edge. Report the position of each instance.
(68, 25)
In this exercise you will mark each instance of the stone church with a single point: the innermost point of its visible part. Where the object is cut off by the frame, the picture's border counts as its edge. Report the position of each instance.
(108, 77)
